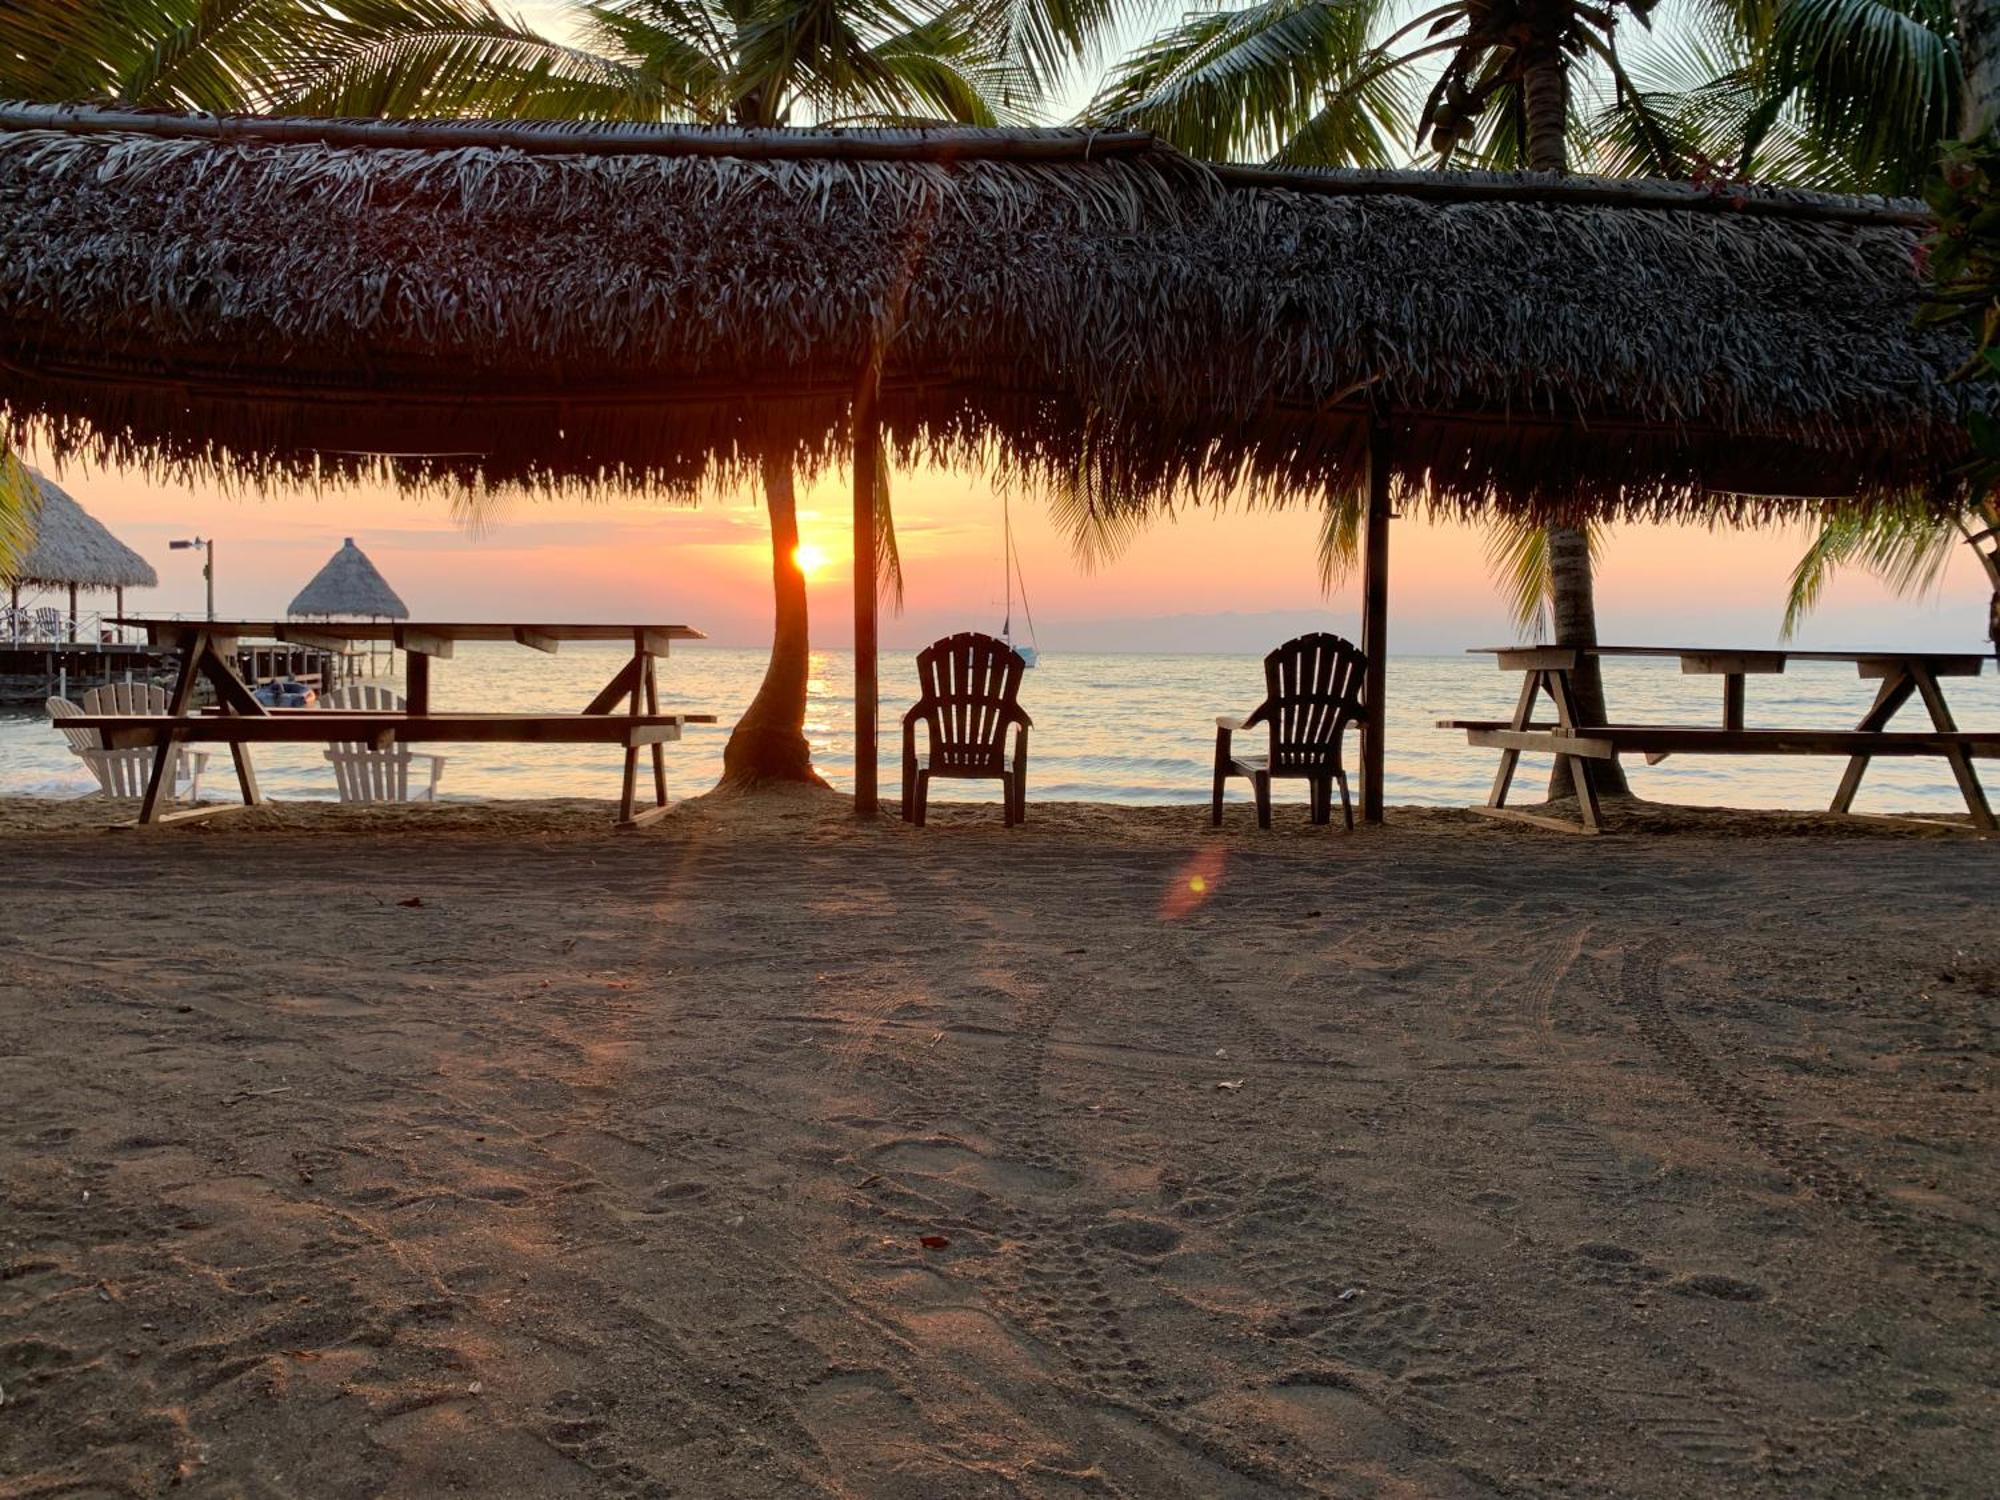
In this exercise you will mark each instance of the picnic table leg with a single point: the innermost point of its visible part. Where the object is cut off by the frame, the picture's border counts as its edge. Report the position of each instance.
(1892, 695)
(193, 648)
(659, 751)
(246, 774)
(164, 756)
(631, 785)
(1580, 772)
(1524, 710)
(1732, 700)
(1955, 756)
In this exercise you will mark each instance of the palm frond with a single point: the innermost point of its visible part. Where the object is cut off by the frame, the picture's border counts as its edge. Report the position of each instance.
(451, 57)
(1908, 550)
(1254, 81)
(1517, 556)
(1339, 550)
(20, 499)
(888, 556)
(1877, 82)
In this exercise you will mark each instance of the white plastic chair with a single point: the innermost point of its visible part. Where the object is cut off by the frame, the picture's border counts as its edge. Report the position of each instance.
(124, 773)
(362, 773)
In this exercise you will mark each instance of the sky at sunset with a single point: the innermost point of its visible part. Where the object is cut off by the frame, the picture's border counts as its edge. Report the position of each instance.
(1231, 582)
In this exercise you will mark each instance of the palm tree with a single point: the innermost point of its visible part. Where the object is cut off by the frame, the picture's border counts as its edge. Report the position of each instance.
(1303, 82)
(764, 63)
(1853, 96)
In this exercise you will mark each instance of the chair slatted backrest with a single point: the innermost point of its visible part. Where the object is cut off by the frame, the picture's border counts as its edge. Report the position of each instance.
(1312, 692)
(121, 773)
(360, 771)
(126, 698)
(48, 623)
(971, 686)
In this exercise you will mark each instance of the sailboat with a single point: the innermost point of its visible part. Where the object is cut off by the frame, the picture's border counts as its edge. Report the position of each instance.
(1011, 565)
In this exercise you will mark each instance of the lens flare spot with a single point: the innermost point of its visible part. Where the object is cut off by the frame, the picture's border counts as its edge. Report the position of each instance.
(809, 559)
(1193, 884)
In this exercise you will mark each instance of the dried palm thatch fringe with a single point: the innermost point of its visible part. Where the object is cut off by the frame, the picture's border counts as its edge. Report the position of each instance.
(72, 546)
(1122, 322)
(349, 584)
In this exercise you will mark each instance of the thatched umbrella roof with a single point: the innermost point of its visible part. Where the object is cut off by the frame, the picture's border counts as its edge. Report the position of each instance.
(576, 306)
(349, 584)
(71, 546)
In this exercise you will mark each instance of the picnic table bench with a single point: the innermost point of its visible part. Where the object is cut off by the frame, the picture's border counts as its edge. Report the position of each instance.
(205, 650)
(1900, 675)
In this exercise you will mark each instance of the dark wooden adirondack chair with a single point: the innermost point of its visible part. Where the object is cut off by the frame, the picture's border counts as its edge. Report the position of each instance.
(969, 686)
(1312, 692)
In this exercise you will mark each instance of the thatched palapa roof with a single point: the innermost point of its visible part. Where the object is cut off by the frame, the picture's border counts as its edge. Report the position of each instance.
(73, 547)
(582, 305)
(349, 584)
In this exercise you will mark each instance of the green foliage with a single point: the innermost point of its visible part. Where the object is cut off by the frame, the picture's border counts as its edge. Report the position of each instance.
(1308, 82)
(1910, 549)
(1517, 555)
(1907, 549)
(1839, 95)
(777, 62)
(20, 498)
(359, 57)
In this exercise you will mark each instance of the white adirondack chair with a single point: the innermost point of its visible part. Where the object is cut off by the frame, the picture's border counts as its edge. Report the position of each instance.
(364, 774)
(123, 773)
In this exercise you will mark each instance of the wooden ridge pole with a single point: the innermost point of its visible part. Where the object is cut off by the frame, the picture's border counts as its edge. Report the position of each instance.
(1375, 621)
(867, 482)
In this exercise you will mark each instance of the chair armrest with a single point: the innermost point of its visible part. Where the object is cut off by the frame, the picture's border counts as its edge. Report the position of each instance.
(1223, 722)
(1021, 717)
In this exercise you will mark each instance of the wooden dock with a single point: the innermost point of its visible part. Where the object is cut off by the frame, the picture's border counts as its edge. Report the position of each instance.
(32, 671)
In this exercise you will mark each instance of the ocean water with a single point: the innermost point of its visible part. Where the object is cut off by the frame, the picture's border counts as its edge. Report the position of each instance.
(1108, 728)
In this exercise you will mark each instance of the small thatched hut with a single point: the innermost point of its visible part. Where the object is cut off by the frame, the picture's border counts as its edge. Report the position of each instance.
(590, 306)
(72, 549)
(349, 584)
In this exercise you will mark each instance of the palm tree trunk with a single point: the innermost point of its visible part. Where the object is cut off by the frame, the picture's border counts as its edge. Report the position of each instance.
(1545, 82)
(769, 742)
(1575, 601)
(1978, 27)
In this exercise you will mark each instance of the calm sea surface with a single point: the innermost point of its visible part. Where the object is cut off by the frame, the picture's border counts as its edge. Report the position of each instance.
(1127, 728)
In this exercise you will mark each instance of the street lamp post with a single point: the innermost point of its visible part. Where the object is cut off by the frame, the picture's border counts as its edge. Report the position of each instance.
(207, 568)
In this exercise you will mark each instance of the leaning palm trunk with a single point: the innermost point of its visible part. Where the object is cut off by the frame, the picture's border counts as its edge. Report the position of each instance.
(1574, 594)
(769, 742)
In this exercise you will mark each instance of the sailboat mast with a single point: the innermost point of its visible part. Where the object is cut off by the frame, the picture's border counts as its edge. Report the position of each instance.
(1007, 565)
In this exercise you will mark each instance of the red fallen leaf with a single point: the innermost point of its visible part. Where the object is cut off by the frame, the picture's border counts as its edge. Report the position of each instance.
(413, 901)
(934, 1242)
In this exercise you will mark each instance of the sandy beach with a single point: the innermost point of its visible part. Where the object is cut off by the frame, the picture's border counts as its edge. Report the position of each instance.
(483, 1151)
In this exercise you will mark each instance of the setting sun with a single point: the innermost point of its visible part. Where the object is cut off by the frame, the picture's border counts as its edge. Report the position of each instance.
(809, 559)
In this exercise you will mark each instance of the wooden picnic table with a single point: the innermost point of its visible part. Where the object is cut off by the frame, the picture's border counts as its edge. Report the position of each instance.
(1899, 675)
(205, 650)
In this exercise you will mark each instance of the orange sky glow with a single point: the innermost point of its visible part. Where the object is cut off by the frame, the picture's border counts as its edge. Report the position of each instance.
(1204, 581)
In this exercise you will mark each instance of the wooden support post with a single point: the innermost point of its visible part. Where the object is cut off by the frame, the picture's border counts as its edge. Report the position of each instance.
(418, 696)
(1375, 622)
(867, 482)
